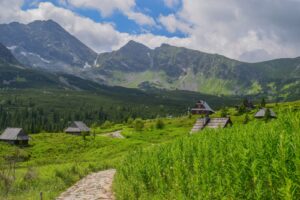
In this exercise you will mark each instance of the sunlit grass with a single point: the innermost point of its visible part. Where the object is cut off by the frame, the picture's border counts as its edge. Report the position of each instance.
(255, 161)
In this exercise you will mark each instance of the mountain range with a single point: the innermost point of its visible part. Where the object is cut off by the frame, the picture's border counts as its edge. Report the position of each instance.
(46, 46)
(15, 75)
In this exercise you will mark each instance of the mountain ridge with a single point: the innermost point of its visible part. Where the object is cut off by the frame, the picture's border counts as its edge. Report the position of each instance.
(135, 65)
(45, 44)
(181, 68)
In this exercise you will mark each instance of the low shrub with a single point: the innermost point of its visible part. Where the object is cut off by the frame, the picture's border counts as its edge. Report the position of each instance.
(139, 124)
(160, 124)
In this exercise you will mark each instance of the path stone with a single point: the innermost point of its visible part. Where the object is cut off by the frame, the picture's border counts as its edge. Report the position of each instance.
(116, 134)
(95, 186)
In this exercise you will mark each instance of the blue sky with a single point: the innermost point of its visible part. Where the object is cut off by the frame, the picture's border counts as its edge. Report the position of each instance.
(152, 8)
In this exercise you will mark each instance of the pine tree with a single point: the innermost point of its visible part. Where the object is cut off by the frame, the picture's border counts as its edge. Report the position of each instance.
(263, 103)
(267, 115)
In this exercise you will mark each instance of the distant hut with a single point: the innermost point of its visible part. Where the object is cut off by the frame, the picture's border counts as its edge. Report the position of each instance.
(15, 136)
(77, 127)
(202, 107)
(262, 113)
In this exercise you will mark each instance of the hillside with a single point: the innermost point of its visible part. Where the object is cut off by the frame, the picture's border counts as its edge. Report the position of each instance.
(135, 65)
(52, 109)
(44, 101)
(245, 156)
(6, 56)
(14, 75)
(255, 161)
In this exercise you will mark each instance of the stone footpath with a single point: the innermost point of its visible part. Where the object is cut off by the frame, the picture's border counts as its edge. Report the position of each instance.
(116, 134)
(95, 186)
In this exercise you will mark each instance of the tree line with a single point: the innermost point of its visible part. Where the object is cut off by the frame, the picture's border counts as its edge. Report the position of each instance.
(35, 118)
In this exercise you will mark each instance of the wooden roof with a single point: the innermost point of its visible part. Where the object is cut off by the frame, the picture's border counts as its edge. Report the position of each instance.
(203, 123)
(203, 106)
(218, 122)
(262, 112)
(14, 134)
(77, 126)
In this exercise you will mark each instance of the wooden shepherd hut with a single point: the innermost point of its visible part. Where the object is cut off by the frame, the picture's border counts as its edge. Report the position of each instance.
(262, 113)
(202, 108)
(15, 136)
(77, 127)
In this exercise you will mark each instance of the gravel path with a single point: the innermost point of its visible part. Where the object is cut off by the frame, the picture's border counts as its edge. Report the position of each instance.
(93, 187)
(116, 134)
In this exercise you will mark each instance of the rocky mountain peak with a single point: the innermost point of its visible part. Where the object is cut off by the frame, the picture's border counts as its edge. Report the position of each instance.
(6, 56)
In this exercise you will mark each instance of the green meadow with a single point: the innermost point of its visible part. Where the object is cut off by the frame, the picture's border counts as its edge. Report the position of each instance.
(258, 160)
(255, 160)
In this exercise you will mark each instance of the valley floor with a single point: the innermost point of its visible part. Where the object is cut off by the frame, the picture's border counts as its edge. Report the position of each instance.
(53, 162)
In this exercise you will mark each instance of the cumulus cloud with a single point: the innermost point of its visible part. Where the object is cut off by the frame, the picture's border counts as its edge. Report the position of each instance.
(172, 3)
(107, 7)
(99, 36)
(251, 30)
(234, 27)
(172, 23)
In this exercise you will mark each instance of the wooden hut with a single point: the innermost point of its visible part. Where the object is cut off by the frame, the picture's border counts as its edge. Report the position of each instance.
(77, 127)
(262, 113)
(202, 108)
(15, 136)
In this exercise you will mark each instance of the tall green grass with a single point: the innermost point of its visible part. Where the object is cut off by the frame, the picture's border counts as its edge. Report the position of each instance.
(257, 161)
(54, 161)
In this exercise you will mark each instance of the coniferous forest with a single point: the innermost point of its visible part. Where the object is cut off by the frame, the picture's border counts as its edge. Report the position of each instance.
(51, 111)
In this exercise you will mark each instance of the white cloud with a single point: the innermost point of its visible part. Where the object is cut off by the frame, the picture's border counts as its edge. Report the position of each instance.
(234, 27)
(140, 18)
(237, 29)
(99, 36)
(107, 7)
(171, 3)
(172, 23)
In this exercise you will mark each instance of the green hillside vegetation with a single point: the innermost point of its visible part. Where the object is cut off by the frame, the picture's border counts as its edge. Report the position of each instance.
(173, 68)
(54, 161)
(158, 157)
(255, 161)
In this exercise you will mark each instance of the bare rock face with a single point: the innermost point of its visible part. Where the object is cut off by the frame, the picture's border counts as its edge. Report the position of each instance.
(6, 56)
(45, 44)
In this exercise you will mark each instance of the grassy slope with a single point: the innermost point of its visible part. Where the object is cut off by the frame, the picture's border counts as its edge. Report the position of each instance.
(58, 160)
(254, 161)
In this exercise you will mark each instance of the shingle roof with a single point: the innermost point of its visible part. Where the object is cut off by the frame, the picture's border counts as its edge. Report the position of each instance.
(262, 113)
(78, 126)
(14, 134)
(218, 122)
(205, 105)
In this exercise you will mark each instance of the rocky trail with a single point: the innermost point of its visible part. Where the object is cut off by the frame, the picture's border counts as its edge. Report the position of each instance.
(95, 186)
(116, 134)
